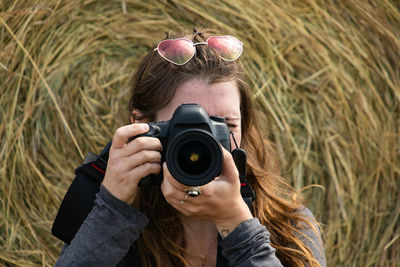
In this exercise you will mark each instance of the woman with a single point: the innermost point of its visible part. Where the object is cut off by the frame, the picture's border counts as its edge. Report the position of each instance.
(161, 225)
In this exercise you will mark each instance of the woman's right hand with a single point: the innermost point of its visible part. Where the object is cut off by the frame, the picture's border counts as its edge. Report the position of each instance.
(129, 162)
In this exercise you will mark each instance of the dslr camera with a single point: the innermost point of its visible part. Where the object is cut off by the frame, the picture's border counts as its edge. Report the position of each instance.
(191, 143)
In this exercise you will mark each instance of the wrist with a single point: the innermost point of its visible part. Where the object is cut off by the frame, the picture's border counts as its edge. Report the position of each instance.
(116, 192)
(225, 227)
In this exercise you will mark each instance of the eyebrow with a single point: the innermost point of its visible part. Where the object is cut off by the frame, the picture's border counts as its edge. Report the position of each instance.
(232, 118)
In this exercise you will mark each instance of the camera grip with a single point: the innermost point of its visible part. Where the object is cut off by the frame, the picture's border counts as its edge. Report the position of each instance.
(154, 131)
(152, 179)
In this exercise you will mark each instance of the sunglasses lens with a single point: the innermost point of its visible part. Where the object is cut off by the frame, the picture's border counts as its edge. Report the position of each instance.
(177, 51)
(229, 47)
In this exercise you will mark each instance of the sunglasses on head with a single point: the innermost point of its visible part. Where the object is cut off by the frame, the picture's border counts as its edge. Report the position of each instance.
(180, 51)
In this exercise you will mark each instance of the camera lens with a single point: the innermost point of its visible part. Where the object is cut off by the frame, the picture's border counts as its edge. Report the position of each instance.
(194, 157)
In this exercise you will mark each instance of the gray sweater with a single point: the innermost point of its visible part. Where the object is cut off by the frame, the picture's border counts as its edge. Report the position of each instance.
(107, 236)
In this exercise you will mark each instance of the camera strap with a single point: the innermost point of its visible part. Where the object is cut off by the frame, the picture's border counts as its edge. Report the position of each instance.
(240, 158)
(79, 199)
(247, 192)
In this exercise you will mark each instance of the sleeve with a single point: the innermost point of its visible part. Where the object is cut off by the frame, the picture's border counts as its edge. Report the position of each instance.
(313, 239)
(106, 235)
(249, 245)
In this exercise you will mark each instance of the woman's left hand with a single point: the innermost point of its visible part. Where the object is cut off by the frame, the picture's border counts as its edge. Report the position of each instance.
(220, 200)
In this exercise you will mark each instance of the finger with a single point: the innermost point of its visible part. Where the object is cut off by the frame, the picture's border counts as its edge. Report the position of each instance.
(144, 170)
(171, 194)
(142, 157)
(123, 133)
(177, 199)
(229, 169)
(174, 190)
(168, 176)
(142, 143)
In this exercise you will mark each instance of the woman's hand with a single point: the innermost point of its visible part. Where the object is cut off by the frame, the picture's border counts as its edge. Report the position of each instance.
(130, 162)
(220, 200)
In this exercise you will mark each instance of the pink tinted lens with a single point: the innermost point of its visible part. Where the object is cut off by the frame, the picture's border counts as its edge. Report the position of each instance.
(177, 51)
(229, 47)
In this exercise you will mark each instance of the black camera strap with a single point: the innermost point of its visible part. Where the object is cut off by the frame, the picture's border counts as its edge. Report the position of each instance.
(247, 192)
(79, 199)
(240, 158)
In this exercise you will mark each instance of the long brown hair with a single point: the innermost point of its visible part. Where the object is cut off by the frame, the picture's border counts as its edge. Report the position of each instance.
(277, 204)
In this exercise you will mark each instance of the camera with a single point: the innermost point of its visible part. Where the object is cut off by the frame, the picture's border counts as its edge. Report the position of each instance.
(191, 143)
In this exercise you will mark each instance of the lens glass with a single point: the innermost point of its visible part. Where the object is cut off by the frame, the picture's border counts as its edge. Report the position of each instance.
(194, 157)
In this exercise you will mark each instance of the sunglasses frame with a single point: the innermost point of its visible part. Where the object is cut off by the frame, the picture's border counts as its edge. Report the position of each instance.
(194, 46)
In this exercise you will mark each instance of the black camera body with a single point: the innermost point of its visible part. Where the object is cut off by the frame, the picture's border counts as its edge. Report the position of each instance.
(191, 143)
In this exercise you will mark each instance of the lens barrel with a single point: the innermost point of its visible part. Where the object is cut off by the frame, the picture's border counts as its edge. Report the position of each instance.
(194, 157)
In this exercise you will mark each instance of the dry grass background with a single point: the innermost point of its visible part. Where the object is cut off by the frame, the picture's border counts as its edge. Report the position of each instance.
(326, 73)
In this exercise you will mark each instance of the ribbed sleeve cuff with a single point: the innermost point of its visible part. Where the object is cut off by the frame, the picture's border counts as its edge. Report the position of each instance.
(124, 208)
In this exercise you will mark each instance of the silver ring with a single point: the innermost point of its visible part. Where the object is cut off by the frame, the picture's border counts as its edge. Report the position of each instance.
(193, 191)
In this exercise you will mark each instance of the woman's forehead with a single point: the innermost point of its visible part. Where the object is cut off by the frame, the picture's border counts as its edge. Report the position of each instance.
(218, 99)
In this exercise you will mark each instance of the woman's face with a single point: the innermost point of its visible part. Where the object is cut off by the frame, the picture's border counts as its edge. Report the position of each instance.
(218, 99)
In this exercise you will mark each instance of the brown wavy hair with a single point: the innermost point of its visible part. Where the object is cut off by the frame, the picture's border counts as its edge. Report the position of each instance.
(277, 204)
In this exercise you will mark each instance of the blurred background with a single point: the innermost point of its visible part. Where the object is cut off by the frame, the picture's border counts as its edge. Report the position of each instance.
(326, 74)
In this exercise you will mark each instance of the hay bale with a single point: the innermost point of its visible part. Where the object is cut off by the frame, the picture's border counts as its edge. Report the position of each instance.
(326, 74)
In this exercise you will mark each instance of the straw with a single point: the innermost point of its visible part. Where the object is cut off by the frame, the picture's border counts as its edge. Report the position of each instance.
(325, 74)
